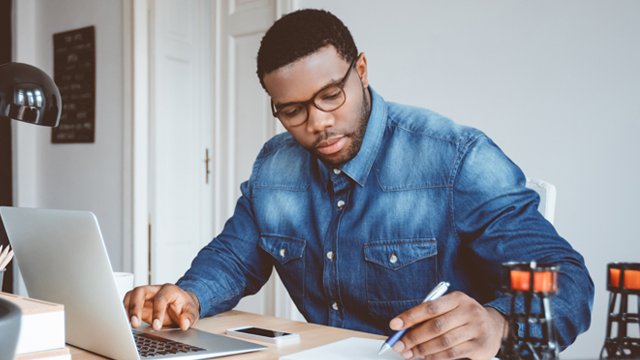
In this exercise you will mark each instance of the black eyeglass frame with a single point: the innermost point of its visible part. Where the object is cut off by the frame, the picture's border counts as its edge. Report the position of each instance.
(305, 104)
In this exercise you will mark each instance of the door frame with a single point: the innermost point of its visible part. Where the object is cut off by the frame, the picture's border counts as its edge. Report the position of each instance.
(135, 215)
(135, 256)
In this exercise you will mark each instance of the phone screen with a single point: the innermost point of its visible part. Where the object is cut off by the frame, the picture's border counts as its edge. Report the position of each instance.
(263, 332)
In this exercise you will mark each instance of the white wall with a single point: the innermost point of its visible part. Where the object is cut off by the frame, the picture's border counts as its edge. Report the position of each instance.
(555, 83)
(75, 176)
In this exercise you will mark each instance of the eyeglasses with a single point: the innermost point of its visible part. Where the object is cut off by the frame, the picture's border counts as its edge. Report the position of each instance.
(327, 99)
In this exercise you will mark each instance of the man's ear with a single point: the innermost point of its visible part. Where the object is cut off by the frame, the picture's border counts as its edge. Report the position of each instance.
(361, 68)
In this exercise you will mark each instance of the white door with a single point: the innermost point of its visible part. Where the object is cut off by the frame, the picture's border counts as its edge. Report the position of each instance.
(246, 122)
(180, 135)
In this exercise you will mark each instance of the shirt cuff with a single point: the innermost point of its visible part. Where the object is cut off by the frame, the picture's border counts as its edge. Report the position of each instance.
(201, 291)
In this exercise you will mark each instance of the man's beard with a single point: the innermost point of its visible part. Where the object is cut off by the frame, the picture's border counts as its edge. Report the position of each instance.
(356, 137)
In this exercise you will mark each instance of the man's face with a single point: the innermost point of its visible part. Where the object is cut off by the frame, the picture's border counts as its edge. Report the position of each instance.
(334, 136)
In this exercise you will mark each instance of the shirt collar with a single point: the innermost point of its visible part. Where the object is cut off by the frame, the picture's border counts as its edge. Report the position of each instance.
(359, 167)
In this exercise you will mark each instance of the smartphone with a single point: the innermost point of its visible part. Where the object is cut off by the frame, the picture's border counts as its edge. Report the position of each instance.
(266, 335)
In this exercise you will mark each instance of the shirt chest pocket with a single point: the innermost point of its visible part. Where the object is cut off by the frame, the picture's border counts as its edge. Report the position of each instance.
(400, 270)
(288, 258)
(283, 249)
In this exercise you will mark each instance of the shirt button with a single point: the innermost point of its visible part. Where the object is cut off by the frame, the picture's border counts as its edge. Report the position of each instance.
(283, 252)
(330, 255)
(340, 204)
(334, 306)
(393, 259)
(337, 171)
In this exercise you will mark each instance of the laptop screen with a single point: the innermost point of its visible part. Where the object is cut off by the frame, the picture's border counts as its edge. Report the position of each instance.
(63, 259)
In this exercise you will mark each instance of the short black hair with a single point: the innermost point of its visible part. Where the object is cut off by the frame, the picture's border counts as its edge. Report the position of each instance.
(299, 34)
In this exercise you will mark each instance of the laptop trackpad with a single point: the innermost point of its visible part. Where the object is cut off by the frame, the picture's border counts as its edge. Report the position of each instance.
(206, 340)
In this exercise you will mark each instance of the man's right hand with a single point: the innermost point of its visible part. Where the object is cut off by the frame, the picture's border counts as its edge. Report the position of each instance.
(162, 305)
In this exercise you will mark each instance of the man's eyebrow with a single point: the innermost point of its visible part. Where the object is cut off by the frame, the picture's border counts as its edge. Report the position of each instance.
(330, 83)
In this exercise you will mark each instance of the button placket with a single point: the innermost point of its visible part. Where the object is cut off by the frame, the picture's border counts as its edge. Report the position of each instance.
(339, 193)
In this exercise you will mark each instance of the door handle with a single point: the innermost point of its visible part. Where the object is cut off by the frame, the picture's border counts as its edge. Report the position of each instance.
(207, 159)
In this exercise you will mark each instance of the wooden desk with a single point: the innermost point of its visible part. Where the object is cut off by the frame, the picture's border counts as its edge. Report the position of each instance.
(311, 335)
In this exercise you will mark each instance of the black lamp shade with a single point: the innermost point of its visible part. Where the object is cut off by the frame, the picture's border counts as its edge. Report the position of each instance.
(28, 94)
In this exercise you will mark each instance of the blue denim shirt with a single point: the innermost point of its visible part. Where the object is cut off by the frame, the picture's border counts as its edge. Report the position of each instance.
(424, 200)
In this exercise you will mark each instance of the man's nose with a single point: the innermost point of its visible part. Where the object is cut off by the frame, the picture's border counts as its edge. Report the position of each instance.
(318, 120)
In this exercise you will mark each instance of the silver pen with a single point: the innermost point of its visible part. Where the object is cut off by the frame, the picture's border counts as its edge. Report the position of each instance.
(437, 291)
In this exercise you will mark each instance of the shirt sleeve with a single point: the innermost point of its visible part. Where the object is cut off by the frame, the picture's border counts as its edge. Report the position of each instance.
(230, 266)
(497, 220)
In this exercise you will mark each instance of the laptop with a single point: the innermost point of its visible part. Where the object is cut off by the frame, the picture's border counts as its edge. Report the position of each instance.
(63, 259)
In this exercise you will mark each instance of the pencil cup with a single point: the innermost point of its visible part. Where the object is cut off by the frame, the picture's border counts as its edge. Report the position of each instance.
(124, 282)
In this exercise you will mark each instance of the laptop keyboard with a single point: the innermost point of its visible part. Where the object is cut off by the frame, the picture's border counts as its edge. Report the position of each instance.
(150, 345)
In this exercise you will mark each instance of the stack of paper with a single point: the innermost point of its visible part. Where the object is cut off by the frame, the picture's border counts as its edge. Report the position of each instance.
(56, 354)
(42, 329)
(348, 349)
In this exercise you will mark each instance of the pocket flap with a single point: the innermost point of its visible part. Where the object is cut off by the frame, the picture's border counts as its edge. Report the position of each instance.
(282, 248)
(394, 254)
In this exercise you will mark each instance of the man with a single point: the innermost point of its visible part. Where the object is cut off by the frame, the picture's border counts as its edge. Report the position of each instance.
(363, 206)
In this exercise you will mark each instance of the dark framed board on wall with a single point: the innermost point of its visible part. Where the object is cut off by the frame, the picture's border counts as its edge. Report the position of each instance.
(74, 71)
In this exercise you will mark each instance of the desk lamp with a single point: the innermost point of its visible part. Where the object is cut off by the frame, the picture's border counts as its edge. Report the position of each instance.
(26, 94)
(531, 333)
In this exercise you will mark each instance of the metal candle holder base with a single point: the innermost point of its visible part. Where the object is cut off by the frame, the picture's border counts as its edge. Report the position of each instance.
(623, 283)
(531, 332)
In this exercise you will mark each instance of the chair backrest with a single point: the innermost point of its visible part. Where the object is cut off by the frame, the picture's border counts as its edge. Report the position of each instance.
(547, 194)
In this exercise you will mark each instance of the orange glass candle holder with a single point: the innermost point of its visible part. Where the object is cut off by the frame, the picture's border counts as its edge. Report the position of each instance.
(527, 276)
(630, 272)
(542, 280)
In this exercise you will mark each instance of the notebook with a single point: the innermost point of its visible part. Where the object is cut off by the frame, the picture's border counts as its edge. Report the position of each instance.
(63, 259)
(353, 348)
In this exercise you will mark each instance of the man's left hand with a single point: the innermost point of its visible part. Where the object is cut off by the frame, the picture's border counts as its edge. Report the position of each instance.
(452, 327)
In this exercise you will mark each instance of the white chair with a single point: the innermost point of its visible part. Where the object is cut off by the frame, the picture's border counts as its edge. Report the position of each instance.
(547, 192)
